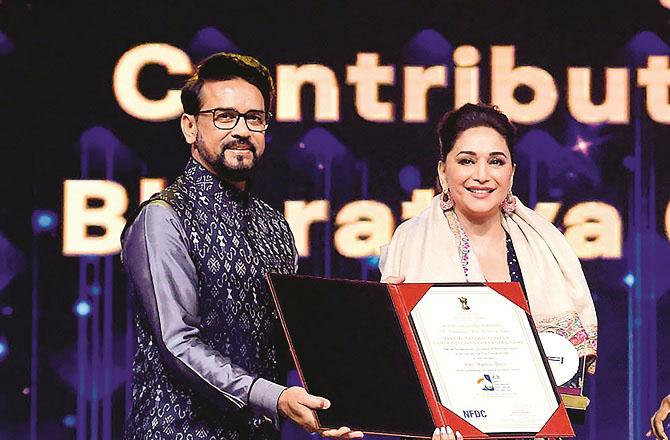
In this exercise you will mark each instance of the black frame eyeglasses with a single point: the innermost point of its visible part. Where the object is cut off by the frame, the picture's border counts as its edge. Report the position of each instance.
(227, 118)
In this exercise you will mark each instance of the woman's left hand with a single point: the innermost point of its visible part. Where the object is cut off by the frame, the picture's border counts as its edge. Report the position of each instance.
(446, 434)
(391, 279)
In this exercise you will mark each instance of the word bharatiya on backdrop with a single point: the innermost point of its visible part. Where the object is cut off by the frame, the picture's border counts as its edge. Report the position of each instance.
(594, 229)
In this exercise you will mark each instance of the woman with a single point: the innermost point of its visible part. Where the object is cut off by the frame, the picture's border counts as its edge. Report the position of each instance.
(476, 231)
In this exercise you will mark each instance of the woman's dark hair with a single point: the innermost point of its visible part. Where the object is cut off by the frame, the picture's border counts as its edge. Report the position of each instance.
(222, 66)
(455, 122)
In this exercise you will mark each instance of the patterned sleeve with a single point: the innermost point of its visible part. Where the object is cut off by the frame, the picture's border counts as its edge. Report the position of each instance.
(156, 257)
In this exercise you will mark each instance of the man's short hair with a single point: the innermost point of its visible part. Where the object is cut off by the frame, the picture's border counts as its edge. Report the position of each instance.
(222, 66)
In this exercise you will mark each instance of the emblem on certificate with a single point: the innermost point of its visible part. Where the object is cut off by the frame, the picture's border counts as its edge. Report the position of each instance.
(464, 303)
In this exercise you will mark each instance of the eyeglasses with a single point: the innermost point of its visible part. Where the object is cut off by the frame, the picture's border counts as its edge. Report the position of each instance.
(227, 118)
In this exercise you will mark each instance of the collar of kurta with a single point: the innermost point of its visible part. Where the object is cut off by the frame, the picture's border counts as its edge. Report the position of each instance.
(212, 187)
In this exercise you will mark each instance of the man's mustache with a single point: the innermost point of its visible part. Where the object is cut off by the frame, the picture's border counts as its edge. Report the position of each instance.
(239, 143)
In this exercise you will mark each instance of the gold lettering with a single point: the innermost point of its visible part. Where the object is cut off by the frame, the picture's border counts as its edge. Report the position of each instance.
(300, 215)
(614, 108)
(418, 81)
(505, 78)
(290, 80)
(656, 78)
(78, 216)
(364, 226)
(366, 76)
(466, 78)
(126, 73)
(593, 229)
(548, 210)
(421, 199)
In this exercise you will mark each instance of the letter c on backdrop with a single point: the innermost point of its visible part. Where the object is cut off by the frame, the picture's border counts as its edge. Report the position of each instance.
(126, 74)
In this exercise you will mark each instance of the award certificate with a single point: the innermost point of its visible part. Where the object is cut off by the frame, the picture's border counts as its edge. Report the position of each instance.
(401, 359)
(483, 359)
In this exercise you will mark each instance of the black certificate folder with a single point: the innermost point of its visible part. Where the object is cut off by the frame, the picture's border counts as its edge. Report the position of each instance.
(348, 346)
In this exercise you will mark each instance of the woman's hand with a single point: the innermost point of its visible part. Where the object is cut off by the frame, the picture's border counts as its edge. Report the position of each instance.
(446, 434)
(394, 279)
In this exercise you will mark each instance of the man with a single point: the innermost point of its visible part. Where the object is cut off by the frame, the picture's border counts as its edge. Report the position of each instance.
(206, 364)
(658, 420)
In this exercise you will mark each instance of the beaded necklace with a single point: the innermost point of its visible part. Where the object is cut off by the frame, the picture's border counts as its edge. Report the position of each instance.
(464, 247)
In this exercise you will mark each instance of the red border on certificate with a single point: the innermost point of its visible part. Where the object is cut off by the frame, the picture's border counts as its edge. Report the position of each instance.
(405, 298)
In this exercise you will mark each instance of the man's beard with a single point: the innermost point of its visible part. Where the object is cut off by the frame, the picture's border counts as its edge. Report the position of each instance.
(232, 172)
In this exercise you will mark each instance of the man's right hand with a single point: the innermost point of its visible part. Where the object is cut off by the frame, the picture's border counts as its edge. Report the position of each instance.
(298, 405)
(658, 420)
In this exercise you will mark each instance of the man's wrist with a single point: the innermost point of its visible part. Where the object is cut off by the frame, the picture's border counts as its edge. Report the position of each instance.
(264, 399)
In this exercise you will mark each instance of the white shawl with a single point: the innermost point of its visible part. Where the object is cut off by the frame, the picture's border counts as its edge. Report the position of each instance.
(424, 249)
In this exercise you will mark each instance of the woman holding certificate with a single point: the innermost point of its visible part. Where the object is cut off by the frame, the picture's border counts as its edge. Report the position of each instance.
(476, 230)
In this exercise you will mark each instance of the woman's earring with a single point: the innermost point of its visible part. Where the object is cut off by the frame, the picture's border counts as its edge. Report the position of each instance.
(508, 204)
(446, 203)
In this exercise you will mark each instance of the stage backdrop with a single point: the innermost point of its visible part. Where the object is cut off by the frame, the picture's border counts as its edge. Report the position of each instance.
(89, 110)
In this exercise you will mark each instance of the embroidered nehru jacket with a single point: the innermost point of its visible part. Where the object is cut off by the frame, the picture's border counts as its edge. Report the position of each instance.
(207, 329)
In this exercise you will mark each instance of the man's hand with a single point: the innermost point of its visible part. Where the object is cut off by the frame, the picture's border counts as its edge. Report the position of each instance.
(658, 419)
(298, 405)
(394, 280)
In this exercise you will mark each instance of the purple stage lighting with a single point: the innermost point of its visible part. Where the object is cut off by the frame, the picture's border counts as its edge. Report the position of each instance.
(641, 46)
(12, 262)
(44, 221)
(629, 280)
(428, 47)
(410, 178)
(6, 46)
(556, 193)
(582, 146)
(316, 149)
(101, 147)
(210, 40)
(629, 163)
(82, 308)
(69, 421)
(4, 348)
(372, 261)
